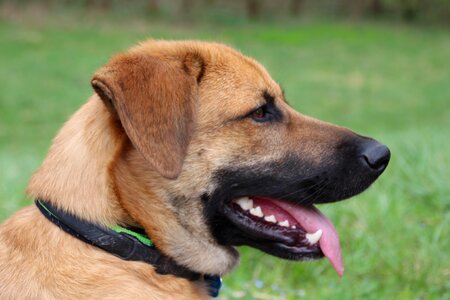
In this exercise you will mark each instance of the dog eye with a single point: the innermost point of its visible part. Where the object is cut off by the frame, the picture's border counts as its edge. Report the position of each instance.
(260, 115)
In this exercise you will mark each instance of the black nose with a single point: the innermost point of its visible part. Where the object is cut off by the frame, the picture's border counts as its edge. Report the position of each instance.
(375, 155)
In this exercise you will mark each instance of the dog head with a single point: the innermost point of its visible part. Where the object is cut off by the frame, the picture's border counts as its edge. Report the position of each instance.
(215, 157)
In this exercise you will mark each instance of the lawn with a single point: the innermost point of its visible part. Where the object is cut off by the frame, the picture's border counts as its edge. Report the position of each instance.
(391, 82)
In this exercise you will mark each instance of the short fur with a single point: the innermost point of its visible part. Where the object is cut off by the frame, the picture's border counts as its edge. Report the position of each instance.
(146, 150)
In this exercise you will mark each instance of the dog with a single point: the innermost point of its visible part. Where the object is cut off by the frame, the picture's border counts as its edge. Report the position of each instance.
(195, 145)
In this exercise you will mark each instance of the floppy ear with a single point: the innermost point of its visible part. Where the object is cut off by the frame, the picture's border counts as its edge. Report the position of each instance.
(154, 100)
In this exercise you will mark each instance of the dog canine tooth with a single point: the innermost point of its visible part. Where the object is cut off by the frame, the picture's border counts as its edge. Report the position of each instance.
(285, 223)
(256, 212)
(313, 238)
(270, 219)
(245, 203)
(293, 227)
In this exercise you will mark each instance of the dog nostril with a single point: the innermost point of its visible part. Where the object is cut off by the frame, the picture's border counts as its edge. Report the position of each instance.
(376, 156)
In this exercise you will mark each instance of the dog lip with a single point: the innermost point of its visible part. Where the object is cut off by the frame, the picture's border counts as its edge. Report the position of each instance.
(258, 230)
(307, 219)
(291, 242)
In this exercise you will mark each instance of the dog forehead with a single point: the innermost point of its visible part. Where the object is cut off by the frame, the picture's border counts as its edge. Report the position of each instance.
(235, 81)
(217, 58)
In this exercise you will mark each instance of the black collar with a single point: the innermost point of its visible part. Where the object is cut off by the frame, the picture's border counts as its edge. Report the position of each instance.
(127, 244)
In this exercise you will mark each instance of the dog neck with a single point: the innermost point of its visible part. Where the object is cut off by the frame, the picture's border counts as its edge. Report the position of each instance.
(126, 244)
(75, 176)
(87, 173)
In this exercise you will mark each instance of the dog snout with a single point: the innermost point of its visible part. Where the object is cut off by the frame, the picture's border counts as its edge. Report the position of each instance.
(374, 155)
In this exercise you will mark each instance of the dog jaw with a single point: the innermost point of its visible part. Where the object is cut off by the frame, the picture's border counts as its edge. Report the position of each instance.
(175, 223)
(212, 258)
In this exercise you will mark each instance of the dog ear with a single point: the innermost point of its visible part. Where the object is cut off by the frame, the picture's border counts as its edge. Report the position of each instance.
(154, 99)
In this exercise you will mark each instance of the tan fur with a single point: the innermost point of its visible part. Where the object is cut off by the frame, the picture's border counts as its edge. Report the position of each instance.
(142, 152)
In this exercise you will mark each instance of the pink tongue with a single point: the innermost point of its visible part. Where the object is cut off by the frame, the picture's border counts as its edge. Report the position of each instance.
(311, 219)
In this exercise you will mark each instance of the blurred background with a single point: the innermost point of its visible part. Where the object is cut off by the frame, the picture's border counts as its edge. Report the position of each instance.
(380, 67)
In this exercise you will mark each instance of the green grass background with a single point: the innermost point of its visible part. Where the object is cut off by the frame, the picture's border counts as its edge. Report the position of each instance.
(388, 81)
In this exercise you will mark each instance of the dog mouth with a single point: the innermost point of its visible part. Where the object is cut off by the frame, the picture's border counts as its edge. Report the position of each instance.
(285, 229)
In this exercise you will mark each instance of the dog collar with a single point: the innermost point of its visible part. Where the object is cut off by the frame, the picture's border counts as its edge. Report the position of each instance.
(126, 243)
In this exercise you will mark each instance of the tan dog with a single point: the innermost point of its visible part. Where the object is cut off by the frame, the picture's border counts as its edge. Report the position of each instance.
(194, 143)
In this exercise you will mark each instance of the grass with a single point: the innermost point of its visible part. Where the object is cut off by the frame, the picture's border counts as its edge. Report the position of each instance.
(390, 82)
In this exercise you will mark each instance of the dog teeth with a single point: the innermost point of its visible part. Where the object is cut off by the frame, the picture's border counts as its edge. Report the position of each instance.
(313, 238)
(293, 227)
(245, 203)
(270, 219)
(256, 212)
(285, 223)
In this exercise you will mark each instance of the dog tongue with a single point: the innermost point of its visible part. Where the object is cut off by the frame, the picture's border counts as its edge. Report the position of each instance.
(311, 219)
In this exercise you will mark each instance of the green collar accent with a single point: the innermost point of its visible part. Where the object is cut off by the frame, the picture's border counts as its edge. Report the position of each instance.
(144, 239)
(141, 237)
